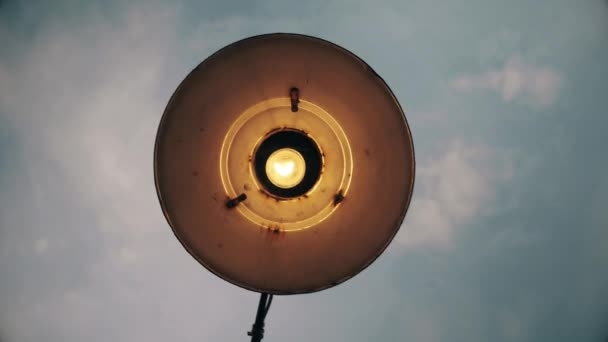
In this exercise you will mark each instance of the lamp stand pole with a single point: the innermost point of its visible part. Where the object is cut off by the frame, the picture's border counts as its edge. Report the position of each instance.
(257, 331)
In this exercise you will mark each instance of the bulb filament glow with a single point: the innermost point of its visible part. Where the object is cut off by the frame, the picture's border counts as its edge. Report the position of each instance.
(285, 168)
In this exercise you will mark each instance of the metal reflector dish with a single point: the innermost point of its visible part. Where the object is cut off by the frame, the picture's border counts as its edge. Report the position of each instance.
(284, 164)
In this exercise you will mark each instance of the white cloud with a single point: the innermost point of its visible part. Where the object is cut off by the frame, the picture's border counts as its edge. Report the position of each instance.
(516, 81)
(96, 109)
(41, 246)
(451, 191)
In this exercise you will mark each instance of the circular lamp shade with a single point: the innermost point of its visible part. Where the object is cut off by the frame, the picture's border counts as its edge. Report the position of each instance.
(284, 164)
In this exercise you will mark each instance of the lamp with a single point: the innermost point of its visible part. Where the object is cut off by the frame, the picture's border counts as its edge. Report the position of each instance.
(284, 164)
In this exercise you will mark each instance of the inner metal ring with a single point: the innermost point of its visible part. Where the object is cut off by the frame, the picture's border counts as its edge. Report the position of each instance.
(239, 176)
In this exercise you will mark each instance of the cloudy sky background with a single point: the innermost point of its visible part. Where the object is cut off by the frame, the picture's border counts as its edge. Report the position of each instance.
(506, 238)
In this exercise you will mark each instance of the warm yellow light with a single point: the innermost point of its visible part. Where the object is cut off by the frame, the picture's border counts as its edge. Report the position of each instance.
(285, 168)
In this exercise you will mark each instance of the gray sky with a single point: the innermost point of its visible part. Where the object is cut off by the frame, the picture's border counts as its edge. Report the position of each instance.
(506, 238)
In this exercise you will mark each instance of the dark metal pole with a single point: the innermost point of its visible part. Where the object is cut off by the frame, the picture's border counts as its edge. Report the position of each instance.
(257, 332)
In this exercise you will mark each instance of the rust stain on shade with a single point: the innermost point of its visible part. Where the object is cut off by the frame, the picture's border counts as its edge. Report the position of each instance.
(273, 232)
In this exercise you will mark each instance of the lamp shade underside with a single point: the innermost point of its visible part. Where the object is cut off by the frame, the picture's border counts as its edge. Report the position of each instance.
(307, 210)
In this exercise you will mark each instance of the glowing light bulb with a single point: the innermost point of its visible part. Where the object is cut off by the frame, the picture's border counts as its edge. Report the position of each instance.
(285, 168)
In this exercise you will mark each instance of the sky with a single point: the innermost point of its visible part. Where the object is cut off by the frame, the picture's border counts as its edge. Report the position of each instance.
(506, 238)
